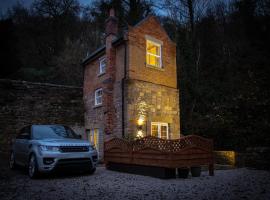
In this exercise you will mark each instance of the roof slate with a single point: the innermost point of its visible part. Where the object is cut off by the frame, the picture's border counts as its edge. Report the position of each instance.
(99, 50)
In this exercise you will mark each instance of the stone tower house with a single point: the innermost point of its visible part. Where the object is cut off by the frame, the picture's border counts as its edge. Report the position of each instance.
(130, 85)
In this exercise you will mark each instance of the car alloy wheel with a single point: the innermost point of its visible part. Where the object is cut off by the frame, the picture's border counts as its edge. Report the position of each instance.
(12, 161)
(32, 167)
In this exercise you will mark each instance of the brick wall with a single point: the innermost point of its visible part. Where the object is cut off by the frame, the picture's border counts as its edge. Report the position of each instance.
(137, 51)
(23, 103)
(120, 56)
(94, 116)
(93, 81)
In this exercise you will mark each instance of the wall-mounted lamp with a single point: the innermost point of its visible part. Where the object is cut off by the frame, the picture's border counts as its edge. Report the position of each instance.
(139, 134)
(140, 123)
(140, 120)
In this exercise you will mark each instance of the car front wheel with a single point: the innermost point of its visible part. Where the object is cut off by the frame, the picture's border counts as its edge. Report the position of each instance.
(32, 167)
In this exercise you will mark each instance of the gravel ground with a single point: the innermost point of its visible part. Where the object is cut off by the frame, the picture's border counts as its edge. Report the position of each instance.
(104, 184)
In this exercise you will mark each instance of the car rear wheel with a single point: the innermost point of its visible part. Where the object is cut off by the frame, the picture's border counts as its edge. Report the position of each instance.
(12, 163)
(32, 167)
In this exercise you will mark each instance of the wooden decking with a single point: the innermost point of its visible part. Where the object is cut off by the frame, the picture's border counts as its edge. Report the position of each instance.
(185, 152)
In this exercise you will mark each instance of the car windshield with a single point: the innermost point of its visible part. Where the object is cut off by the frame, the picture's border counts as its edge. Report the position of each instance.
(53, 132)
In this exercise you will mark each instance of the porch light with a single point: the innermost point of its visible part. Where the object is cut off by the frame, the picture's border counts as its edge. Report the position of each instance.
(140, 120)
(139, 134)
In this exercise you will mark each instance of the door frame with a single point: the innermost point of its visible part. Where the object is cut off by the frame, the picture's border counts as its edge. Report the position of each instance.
(90, 137)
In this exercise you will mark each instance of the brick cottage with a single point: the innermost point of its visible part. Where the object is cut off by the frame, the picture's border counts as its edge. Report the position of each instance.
(130, 84)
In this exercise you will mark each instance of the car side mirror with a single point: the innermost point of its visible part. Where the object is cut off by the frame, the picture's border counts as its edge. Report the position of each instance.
(79, 136)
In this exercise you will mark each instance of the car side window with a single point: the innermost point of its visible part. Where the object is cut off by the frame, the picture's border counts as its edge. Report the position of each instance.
(25, 133)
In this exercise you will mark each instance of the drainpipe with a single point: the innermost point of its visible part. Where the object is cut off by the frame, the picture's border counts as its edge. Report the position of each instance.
(123, 91)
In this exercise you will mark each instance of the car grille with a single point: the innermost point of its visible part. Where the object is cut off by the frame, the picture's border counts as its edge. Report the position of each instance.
(74, 161)
(74, 149)
(81, 163)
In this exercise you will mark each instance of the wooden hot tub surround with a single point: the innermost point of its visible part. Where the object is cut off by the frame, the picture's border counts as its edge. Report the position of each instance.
(188, 151)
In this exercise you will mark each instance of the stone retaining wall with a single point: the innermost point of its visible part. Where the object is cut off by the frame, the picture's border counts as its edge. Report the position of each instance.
(225, 157)
(256, 157)
(23, 103)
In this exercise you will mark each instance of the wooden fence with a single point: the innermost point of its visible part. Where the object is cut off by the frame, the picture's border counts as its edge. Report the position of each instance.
(187, 151)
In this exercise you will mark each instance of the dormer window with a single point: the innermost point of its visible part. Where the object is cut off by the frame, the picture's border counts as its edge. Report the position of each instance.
(153, 53)
(102, 65)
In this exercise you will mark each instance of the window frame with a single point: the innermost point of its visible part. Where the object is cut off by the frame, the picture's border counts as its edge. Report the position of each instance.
(159, 44)
(96, 96)
(101, 67)
(160, 124)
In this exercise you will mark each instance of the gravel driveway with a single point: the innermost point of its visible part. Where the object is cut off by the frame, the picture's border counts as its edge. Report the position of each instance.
(104, 184)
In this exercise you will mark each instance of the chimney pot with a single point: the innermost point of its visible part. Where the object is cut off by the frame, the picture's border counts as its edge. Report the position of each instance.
(112, 13)
(111, 26)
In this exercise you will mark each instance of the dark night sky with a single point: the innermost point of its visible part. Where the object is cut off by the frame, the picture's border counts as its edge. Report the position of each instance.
(6, 4)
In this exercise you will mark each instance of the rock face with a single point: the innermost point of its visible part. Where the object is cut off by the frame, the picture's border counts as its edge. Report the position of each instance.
(23, 103)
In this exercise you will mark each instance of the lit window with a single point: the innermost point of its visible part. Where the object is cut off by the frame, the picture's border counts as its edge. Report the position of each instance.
(98, 97)
(159, 129)
(102, 65)
(94, 137)
(153, 54)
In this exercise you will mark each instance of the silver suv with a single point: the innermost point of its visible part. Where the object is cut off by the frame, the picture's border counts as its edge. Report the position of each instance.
(46, 148)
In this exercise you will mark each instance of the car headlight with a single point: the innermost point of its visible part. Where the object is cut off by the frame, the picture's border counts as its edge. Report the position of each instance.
(48, 148)
(92, 148)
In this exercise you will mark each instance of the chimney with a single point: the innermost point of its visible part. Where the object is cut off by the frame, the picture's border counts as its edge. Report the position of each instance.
(111, 30)
(111, 24)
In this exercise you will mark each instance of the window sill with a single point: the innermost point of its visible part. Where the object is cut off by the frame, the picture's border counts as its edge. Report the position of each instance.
(153, 67)
(97, 106)
(101, 74)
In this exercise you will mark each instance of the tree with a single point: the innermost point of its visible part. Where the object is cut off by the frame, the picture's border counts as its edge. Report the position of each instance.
(222, 55)
(56, 8)
(9, 61)
(136, 10)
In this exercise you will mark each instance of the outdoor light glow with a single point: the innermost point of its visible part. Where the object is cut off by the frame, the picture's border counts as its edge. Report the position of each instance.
(139, 134)
(140, 120)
